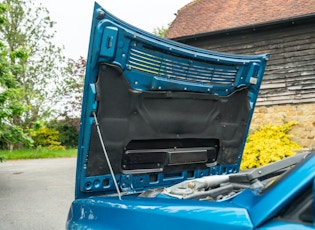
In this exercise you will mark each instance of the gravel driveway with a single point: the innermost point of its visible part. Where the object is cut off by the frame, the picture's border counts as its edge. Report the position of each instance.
(36, 194)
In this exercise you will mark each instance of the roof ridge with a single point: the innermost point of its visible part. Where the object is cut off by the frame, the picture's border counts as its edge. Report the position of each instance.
(203, 16)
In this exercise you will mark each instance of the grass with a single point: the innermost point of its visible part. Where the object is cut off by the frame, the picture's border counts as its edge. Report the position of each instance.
(36, 153)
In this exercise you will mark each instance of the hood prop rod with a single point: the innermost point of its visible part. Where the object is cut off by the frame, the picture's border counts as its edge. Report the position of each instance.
(106, 155)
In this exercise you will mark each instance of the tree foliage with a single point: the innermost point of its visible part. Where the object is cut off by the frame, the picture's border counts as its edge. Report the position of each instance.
(46, 137)
(29, 25)
(160, 31)
(11, 105)
(68, 129)
(71, 88)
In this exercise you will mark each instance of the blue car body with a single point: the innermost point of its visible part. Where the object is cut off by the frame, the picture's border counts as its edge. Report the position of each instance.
(162, 132)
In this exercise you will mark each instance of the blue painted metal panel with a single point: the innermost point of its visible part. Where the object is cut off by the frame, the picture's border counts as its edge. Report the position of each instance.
(264, 206)
(144, 213)
(274, 200)
(152, 63)
(251, 209)
(109, 43)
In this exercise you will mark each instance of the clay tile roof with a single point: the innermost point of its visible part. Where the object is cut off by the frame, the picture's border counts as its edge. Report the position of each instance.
(203, 16)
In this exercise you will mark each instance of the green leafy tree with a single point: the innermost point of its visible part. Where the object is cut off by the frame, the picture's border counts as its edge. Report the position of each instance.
(160, 31)
(10, 90)
(71, 88)
(29, 25)
(68, 129)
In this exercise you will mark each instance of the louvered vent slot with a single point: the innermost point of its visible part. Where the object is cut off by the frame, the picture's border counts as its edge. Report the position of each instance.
(181, 69)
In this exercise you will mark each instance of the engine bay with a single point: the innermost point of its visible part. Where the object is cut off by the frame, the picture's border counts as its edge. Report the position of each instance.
(223, 187)
(212, 188)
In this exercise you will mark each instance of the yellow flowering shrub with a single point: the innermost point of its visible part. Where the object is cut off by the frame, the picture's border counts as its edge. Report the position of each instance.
(46, 137)
(268, 144)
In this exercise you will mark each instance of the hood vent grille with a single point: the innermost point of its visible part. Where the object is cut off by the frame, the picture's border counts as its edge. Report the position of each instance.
(176, 68)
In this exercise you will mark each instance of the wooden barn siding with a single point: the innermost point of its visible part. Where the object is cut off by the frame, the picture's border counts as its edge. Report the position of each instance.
(290, 73)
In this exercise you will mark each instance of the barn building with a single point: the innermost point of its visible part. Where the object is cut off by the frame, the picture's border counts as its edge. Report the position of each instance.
(283, 28)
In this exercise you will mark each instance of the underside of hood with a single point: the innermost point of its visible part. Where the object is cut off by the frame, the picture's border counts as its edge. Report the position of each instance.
(156, 112)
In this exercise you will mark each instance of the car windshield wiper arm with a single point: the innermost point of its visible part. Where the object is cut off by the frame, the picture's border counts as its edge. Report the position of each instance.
(253, 174)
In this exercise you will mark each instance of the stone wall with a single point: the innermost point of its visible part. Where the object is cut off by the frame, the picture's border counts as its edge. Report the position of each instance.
(304, 114)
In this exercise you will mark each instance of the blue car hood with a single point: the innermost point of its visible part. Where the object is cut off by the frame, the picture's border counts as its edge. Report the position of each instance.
(156, 112)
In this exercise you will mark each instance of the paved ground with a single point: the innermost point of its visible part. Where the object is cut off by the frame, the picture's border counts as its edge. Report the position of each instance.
(36, 194)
